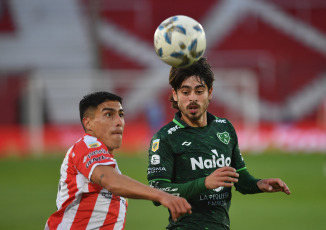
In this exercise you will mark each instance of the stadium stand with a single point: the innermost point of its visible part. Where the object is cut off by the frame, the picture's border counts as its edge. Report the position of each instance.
(69, 48)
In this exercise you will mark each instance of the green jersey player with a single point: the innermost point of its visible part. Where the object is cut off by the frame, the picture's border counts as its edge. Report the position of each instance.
(196, 156)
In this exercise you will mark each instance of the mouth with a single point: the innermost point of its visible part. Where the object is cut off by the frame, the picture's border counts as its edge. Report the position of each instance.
(193, 108)
(117, 132)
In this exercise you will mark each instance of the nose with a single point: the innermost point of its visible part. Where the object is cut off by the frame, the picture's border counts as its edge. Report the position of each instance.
(119, 121)
(192, 96)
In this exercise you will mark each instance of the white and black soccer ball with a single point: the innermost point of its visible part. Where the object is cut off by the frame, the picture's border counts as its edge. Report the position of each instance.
(180, 41)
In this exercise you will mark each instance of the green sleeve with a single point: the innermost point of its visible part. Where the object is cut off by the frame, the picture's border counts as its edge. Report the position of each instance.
(247, 184)
(186, 190)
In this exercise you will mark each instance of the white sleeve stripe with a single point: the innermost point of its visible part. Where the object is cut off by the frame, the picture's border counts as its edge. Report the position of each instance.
(93, 167)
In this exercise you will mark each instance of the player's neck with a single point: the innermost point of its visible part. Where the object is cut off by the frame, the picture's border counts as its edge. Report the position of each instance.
(201, 122)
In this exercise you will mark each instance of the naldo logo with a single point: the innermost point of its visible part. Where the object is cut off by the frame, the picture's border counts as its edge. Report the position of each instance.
(215, 162)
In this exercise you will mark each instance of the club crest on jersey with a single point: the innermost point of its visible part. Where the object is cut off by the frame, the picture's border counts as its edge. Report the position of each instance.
(155, 145)
(224, 137)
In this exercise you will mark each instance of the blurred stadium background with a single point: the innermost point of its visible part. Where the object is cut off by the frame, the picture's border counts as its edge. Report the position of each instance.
(269, 58)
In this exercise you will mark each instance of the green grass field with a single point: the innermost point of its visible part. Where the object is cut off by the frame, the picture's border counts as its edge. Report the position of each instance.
(28, 192)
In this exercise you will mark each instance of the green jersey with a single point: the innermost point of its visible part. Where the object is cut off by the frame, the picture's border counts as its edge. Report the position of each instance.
(180, 158)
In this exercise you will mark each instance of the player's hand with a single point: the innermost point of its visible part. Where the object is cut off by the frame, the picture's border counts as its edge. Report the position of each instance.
(273, 185)
(178, 206)
(224, 177)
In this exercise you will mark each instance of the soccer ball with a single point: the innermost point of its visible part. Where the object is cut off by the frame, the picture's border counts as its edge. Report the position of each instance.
(180, 41)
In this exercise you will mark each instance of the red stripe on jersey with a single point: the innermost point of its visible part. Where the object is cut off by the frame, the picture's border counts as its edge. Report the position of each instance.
(83, 214)
(113, 213)
(55, 219)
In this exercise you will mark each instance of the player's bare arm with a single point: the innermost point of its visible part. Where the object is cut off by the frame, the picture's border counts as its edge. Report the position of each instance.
(224, 177)
(273, 185)
(110, 179)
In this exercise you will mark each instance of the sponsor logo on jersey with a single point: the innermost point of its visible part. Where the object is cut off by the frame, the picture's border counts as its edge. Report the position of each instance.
(218, 189)
(224, 137)
(218, 199)
(220, 196)
(186, 143)
(96, 152)
(110, 196)
(173, 129)
(214, 162)
(155, 145)
(222, 121)
(156, 159)
(155, 170)
(97, 159)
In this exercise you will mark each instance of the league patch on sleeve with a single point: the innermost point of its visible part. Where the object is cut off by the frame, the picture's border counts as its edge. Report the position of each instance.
(156, 159)
(155, 145)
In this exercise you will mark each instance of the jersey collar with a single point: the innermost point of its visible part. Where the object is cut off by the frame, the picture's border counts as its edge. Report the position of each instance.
(178, 121)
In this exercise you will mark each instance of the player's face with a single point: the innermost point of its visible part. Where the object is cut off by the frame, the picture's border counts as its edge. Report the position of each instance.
(193, 98)
(107, 124)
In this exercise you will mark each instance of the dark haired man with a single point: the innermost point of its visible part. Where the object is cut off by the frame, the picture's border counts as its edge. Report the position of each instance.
(92, 190)
(196, 156)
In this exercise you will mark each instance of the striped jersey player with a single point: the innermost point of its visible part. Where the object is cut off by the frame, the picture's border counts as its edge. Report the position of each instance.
(81, 202)
(92, 190)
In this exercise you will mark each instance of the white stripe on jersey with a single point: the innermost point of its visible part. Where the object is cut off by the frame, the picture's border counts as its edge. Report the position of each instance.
(68, 218)
(62, 188)
(121, 218)
(101, 206)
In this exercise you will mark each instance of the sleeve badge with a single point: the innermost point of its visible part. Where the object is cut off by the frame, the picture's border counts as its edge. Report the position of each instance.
(155, 145)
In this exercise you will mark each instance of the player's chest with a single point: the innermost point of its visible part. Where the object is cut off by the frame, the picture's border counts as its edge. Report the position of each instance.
(202, 151)
(207, 141)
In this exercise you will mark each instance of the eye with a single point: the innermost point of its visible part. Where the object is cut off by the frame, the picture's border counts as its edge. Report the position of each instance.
(108, 114)
(200, 91)
(121, 115)
(185, 92)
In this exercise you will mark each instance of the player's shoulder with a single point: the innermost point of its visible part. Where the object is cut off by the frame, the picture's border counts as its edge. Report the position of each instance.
(169, 129)
(221, 122)
(88, 144)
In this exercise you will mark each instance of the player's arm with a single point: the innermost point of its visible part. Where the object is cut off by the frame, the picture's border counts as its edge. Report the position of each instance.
(225, 177)
(249, 185)
(186, 190)
(273, 185)
(108, 178)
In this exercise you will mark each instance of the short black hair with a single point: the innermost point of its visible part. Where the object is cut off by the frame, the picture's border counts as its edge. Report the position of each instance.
(92, 100)
(201, 69)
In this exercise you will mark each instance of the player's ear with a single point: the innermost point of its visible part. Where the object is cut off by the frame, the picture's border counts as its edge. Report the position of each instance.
(210, 93)
(87, 123)
(174, 94)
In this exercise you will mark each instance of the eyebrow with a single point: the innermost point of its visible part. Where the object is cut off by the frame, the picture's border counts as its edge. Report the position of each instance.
(188, 87)
(111, 109)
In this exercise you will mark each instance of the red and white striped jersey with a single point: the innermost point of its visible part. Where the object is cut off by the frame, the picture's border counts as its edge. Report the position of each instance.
(82, 204)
